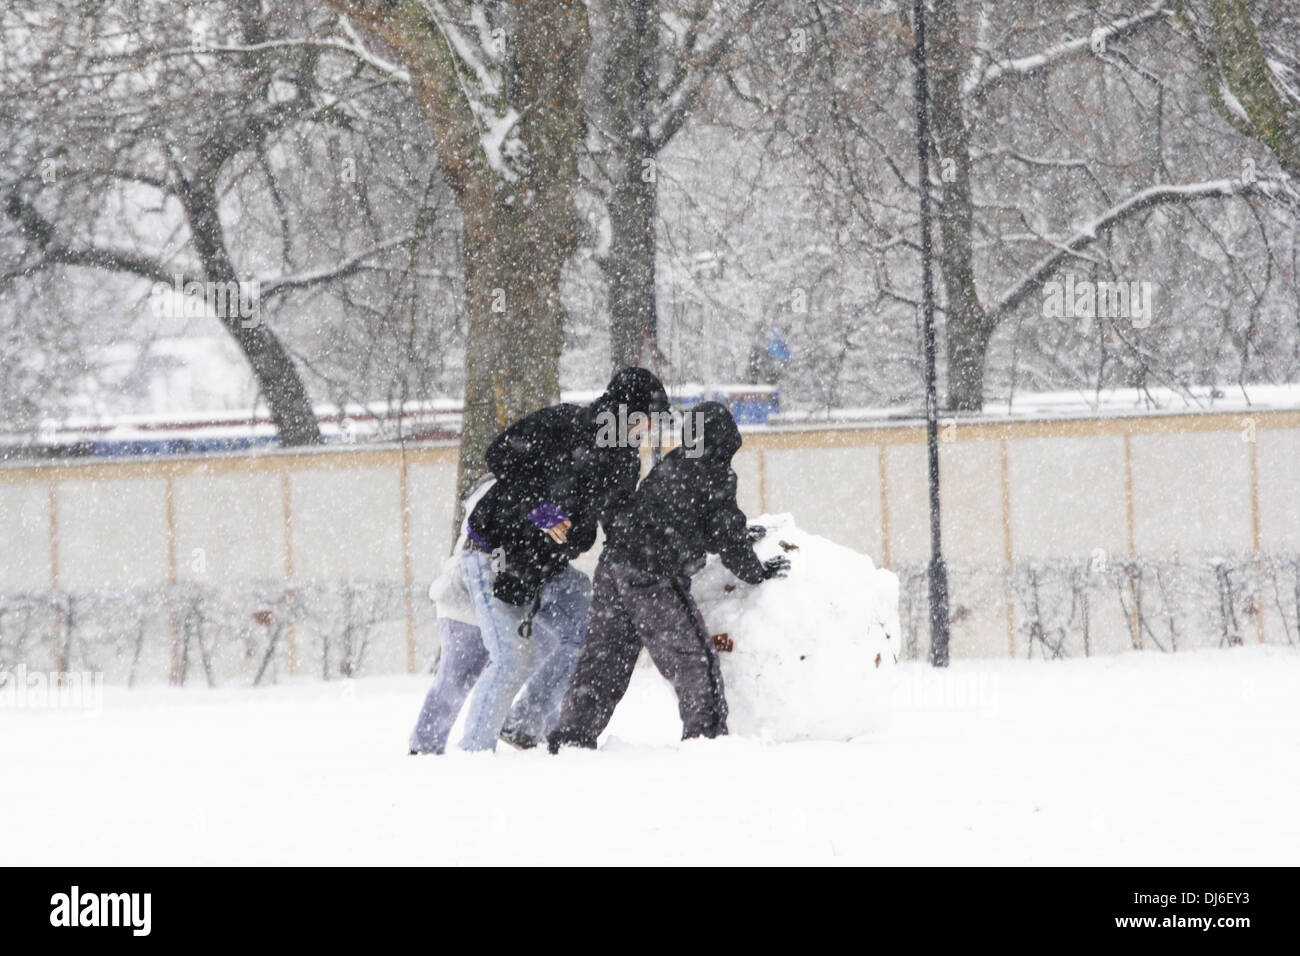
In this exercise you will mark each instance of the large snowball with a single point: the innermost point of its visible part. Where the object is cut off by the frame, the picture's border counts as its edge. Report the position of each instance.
(814, 652)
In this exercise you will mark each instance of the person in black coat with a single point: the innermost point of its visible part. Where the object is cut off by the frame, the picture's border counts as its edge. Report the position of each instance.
(559, 473)
(685, 509)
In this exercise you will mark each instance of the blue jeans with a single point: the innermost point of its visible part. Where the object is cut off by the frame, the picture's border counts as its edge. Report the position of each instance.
(463, 659)
(544, 661)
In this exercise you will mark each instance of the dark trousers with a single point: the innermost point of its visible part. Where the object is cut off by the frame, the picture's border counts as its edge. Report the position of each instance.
(632, 609)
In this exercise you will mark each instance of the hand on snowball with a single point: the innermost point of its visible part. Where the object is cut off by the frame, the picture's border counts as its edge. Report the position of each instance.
(777, 567)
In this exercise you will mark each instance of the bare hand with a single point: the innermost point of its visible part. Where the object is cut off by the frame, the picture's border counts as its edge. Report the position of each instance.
(560, 532)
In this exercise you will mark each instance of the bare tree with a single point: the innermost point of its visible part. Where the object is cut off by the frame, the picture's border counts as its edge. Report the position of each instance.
(500, 87)
(1254, 89)
(659, 60)
(1065, 139)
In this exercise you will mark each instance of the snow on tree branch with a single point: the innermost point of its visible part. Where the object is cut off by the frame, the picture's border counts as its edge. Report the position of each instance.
(1091, 230)
(481, 85)
(469, 53)
(1280, 74)
(702, 50)
(353, 264)
(353, 47)
(358, 49)
(487, 36)
(999, 70)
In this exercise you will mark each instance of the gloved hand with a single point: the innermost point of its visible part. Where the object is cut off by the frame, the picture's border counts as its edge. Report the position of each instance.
(695, 565)
(755, 532)
(777, 567)
(552, 519)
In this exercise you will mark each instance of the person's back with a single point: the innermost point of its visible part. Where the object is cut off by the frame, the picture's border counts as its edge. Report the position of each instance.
(554, 467)
(550, 457)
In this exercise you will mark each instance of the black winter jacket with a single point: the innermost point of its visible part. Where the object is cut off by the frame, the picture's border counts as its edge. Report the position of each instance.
(686, 508)
(551, 455)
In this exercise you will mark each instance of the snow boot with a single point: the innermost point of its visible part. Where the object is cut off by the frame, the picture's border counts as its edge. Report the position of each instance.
(517, 738)
(559, 739)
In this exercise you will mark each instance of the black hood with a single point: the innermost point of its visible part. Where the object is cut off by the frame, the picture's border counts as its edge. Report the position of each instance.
(635, 387)
(721, 436)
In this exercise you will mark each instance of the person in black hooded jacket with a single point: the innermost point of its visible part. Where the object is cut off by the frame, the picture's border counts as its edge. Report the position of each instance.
(559, 473)
(685, 509)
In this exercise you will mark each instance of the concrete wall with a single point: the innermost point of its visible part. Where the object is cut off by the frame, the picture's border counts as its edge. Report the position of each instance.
(1157, 486)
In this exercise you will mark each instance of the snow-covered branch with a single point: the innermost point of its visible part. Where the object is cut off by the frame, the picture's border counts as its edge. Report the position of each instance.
(358, 49)
(350, 266)
(1055, 162)
(702, 52)
(1282, 78)
(998, 70)
(352, 46)
(470, 54)
(1090, 231)
(481, 85)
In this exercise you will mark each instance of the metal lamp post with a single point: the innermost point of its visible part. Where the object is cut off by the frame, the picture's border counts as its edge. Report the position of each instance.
(938, 570)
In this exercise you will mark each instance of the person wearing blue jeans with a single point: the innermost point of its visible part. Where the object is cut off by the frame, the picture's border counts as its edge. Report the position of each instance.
(558, 474)
(540, 663)
(547, 658)
(559, 625)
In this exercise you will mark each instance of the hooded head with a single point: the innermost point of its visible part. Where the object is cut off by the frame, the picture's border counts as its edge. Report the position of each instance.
(715, 431)
(635, 387)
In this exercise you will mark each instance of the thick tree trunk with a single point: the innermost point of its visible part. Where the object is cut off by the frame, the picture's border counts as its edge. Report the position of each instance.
(630, 267)
(1236, 63)
(519, 229)
(966, 324)
(519, 236)
(516, 325)
(628, 85)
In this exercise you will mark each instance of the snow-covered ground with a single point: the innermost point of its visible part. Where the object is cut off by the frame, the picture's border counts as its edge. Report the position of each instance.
(1191, 758)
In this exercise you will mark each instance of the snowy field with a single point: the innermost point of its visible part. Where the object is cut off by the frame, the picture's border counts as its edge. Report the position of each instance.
(1143, 758)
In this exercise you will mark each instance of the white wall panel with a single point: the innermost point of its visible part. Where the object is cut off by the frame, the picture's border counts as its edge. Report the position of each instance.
(346, 524)
(24, 537)
(112, 533)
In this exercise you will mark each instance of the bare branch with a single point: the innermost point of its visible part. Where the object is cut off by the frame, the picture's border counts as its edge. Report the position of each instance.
(999, 71)
(1145, 199)
(350, 266)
